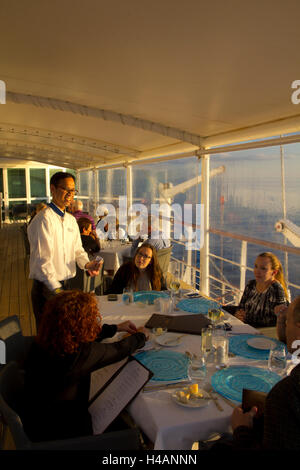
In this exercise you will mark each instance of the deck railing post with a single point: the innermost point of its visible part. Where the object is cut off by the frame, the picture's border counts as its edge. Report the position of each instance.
(243, 268)
(204, 252)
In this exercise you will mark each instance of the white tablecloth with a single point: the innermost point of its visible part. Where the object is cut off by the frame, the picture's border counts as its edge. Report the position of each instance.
(168, 425)
(113, 255)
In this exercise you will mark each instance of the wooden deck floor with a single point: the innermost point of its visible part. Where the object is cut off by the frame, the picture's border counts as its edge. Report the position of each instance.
(15, 287)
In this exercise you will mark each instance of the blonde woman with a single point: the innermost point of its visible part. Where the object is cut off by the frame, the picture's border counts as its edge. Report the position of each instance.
(264, 293)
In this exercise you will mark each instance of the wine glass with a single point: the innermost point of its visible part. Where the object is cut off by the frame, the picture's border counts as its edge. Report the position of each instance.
(214, 314)
(277, 360)
(174, 282)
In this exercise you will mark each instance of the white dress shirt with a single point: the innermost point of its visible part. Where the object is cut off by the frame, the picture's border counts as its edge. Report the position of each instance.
(55, 247)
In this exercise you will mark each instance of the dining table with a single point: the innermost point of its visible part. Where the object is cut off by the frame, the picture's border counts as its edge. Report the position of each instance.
(167, 424)
(112, 253)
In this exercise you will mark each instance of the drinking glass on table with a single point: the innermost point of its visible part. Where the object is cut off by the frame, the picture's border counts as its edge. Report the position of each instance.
(214, 314)
(127, 296)
(197, 369)
(220, 344)
(206, 340)
(277, 360)
(174, 282)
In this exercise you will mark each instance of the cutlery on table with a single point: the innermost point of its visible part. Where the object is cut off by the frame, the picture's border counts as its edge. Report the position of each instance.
(152, 388)
(173, 340)
(215, 399)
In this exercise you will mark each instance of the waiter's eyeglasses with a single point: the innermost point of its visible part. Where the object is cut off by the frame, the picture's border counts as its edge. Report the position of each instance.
(69, 191)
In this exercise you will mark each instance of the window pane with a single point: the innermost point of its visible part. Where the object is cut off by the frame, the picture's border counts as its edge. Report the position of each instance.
(16, 182)
(38, 182)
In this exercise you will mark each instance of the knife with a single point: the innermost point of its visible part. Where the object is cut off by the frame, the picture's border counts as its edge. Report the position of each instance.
(152, 388)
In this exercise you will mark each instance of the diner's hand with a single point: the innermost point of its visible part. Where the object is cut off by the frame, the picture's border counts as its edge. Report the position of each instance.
(144, 330)
(280, 311)
(127, 326)
(241, 315)
(239, 418)
(93, 267)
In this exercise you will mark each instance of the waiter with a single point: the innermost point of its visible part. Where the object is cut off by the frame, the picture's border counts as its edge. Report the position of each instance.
(55, 245)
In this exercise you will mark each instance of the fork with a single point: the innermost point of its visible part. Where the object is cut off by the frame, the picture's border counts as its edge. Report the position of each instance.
(215, 399)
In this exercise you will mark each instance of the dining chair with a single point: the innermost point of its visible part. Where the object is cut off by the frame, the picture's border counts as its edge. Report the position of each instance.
(11, 389)
(16, 345)
(23, 229)
(86, 283)
(163, 258)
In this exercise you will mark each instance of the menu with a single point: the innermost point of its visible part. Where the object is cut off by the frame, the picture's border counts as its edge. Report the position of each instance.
(190, 324)
(112, 389)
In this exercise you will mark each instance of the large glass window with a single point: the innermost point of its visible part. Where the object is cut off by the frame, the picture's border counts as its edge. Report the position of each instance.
(38, 182)
(16, 183)
(247, 199)
(173, 184)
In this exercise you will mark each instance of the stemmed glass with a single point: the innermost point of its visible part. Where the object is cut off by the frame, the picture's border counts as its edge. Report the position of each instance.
(174, 282)
(214, 314)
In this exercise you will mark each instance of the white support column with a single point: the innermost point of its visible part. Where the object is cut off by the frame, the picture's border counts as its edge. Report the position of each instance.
(204, 252)
(243, 268)
(96, 191)
(48, 193)
(128, 190)
(5, 195)
(28, 187)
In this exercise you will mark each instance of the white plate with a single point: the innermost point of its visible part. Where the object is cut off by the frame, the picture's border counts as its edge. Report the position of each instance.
(165, 340)
(193, 402)
(261, 343)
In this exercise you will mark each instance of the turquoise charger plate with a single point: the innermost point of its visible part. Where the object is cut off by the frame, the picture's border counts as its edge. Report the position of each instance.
(230, 382)
(167, 366)
(238, 346)
(148, 296)
(197, 305)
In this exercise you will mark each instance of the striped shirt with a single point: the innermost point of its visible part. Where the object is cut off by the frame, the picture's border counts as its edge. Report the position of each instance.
(259, 306)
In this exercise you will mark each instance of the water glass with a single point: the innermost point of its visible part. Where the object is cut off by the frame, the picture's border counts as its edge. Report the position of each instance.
(197, 369)
(220, 344)
(164, 305)
(277, 360)
(127, 297)
(206, 340)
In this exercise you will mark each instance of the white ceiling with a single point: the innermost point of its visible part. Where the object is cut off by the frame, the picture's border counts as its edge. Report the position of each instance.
(205, 71)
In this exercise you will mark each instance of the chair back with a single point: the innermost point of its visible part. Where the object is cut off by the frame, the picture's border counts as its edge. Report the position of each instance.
(11, 388)
(86, 283)
(23, 229)
(163, 258)
(11, 391)
(16, 345)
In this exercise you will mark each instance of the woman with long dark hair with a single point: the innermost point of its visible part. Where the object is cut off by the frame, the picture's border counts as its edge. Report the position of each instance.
(141, 273)
(66, 350)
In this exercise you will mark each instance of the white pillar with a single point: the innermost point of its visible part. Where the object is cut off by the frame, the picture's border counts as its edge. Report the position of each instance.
(5, 195)
(204, 252)
(243, 268)
(28, 187)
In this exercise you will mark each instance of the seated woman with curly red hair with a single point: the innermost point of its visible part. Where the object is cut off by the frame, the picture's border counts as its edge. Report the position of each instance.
(57, 370)
(141, 273)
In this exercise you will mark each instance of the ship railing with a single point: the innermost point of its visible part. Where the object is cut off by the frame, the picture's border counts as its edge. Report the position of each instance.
(220, 287)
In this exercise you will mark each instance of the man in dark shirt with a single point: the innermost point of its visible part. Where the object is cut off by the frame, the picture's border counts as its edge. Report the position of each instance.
(282, 409)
